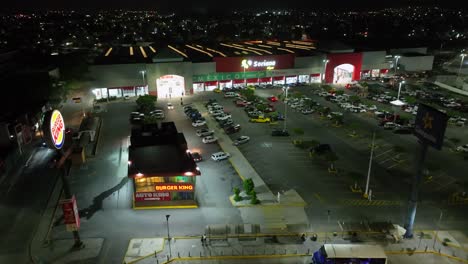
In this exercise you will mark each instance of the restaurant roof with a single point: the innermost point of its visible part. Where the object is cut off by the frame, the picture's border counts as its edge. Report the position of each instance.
(160, 152)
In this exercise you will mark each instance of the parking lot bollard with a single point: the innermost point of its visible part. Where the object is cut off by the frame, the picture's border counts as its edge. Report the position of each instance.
(178, 254)
(189, 254)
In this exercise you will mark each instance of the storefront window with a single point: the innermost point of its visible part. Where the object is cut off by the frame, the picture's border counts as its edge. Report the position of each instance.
(291, 79)
(375, 73)
(304, 78)
(198, 87)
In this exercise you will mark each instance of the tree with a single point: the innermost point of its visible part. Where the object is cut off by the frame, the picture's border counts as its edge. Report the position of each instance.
(354, 99)
(411, 99)
(249, 186)
(146, 103)
(339, 92)
(150, 120)
(338, 119)
(331, 157)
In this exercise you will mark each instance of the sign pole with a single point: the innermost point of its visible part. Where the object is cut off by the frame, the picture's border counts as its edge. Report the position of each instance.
(413, 200)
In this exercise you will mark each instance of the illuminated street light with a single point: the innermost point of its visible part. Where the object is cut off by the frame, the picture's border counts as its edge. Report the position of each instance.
(143, 72)
(463, 55)
(324, 69)
(397, 57)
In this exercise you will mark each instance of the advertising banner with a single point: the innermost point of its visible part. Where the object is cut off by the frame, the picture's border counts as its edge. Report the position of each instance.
(174, 187)
(54, 129)
(152, 196)
(254, 63)
(70, 214)
(430, 125)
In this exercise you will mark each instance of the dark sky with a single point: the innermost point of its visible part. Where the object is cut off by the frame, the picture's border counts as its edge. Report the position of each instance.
(203, 6)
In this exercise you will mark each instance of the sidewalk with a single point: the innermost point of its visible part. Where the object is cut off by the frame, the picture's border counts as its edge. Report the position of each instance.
(287, 249)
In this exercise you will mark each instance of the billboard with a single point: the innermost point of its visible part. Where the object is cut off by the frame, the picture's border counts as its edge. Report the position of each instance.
(430, 125)
(54, 129)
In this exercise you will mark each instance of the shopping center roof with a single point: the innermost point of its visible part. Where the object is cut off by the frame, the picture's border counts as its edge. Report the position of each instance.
(198, 52)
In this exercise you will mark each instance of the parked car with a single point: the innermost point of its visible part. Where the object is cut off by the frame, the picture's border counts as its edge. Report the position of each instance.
(260, 119)
(209, 139)
(170, 106)
(272, 99)
(198, 123)
(321, 149)
(232, 129)
(204, 132)
(241, 103)
(389, 125)
(307, 111)
(229, 94)
(227, 123)
(223, 117)
(241, 140)
(280, 133)
(403, 130)
(220, 156)
(463, 148)
(196, 157)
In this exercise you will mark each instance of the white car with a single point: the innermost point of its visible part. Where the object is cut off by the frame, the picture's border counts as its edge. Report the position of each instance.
(170, 106)
(372, 108)
(220, 156)
(204, 132)
(198, 123)
(307, 111)
(217, 113)
(209, 139)
(463, 148)
(241, 140)
(223, 117)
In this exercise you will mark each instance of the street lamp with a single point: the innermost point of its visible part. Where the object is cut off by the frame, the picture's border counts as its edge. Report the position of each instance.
(168, 236)
(366, 193)
(463, 55)
(143, 72)
(285, 89)
(397, 103)
(396, 62)
(324, 69)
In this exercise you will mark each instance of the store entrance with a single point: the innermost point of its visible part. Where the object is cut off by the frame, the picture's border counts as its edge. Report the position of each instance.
(343, 73)
(170, 86)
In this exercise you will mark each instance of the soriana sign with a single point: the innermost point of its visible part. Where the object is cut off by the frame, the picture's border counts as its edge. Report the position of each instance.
(254, 63)
(173, 187)
(54, 129)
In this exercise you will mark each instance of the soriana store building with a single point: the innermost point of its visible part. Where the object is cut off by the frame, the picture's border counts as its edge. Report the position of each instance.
(179, 70)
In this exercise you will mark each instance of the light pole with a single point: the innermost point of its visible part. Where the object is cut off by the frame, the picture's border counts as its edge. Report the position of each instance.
(285, 89)
(143, 72)
(396, 62)
(324, 69)
(397, 103)
(463, 55)
(366, 193)
(437, 230)
(168, 236)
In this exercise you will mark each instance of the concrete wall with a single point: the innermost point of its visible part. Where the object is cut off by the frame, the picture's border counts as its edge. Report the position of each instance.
(374, 60)
(116, 75)
(416, 63)
(314, 64)
(204, 68)
(401, 51)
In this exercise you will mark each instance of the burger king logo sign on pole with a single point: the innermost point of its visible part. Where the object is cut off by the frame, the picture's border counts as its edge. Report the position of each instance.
(54, 129)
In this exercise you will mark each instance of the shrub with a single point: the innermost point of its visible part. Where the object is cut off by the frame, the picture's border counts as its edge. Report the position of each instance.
(254, 199)
(249, 186)
(237, 197)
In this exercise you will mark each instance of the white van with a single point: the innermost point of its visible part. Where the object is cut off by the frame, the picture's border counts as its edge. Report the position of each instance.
(220, 156)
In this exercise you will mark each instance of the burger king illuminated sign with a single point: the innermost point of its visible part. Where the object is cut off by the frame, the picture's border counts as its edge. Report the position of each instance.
(54, 129)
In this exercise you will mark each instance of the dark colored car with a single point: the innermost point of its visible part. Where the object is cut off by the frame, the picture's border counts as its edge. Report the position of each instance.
(232, 129)
(321, 149)
(403, 130)
(197, 157)
(280, 133)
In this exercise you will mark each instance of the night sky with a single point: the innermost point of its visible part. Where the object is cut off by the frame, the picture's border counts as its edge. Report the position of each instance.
(207, 6)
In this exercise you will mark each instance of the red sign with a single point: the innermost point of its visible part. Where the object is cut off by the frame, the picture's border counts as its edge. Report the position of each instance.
(173, 187)
(254, 63)
(152, 196)
(70, 214)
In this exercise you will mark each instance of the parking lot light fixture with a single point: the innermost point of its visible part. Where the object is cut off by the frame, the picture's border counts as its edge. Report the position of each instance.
(285, 89)
(463, 55)
(324, 69)
(397, 57)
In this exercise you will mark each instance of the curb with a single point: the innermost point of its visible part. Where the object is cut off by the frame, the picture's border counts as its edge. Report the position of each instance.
(98, 138)
(231, 199)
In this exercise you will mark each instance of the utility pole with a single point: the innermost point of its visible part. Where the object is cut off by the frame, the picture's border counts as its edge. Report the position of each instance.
(366, 193)
(168, 236)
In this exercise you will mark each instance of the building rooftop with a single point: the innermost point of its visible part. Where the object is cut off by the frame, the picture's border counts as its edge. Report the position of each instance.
(199, 52)
(160, 152)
